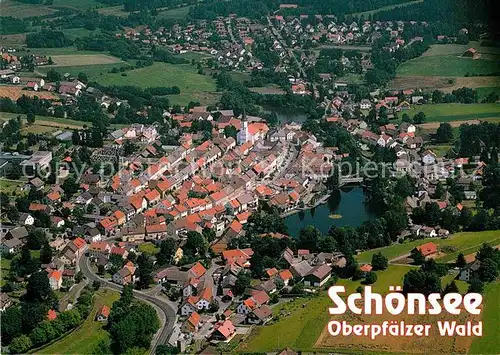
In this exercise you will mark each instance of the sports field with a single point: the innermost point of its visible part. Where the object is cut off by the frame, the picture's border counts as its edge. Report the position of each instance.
(193, 86)
(84, 339)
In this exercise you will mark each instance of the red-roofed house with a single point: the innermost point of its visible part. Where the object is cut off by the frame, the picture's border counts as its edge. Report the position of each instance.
(103, 314)
(51, 314)
(428, 248)
(55, 279)
(192, 324)
(224, 330)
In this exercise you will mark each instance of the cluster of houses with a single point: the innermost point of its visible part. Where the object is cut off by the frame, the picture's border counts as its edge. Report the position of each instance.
(205, 293)
(326, 29)
(226, 39)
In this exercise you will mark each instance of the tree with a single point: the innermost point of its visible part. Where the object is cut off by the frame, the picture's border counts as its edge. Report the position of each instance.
(379, 261)
(460, 262)
(370, 278)
(419, 118)
(46, 253)
(196, 244)
(145, 268)
(38, 288)
(30, 117)
(242, 282)
(11, 324)
(430, 265)
(421, 282)
(166, 349)
(70, 186)
(417, 256)
(451, 288)
(20, 344)
(485, 252)
(476, 285)
(83, 77)
(96, 285)
(230, 131)
(36, 239)
(103, 347)
(444, 133)
(397, 221)
(79, 276)
(488, 270)
(167, 251)
(309, 238)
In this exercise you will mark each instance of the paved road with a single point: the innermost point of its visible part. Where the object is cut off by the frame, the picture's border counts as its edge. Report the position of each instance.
(165, 310)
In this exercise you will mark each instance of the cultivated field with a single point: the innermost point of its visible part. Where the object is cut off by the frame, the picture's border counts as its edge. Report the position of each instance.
(84, 339)
(193, 86)
(455, 66)
(444, 83)
(93, 71)
(21, 10)
(459, 49)
(83, 59)
(456, 112)
(14, 92)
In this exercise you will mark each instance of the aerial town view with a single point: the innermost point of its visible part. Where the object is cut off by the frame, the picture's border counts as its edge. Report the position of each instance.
(203, 177)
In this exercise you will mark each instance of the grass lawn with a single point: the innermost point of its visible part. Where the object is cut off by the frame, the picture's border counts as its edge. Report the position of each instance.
(179, 13)
(489, 343)
(440, 150)
(84, 339)
(148, 248)
(79, 4)
(456, 112)
(4, 272)
(21, 10)
(94, 72)
(483, 92)
(308, 317)
(462, 285)
(49, 121)
(8, 186)
(193, 86)
(455, 66)
(463, 242)
(58, 51)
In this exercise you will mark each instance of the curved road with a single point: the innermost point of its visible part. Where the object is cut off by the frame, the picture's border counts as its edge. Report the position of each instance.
(166, 312)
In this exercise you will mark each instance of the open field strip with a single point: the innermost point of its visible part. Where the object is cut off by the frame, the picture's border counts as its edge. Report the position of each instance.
(84, 339)
(461, 241)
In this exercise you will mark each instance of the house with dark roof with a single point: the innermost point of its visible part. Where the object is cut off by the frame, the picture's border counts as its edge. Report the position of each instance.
(318, 276)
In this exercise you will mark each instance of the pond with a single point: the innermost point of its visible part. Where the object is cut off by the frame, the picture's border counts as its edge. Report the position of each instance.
(347, 206)
(288, 115)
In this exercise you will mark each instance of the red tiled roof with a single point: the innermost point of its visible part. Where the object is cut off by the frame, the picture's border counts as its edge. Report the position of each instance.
(428, 248)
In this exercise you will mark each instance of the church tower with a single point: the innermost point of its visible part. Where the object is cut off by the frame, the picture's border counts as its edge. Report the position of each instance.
(243, 134)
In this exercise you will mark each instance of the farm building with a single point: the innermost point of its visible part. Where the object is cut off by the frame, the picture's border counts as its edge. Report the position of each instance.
(471, 53)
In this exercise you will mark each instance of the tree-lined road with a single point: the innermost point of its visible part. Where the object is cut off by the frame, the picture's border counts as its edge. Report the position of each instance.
(166, 311)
